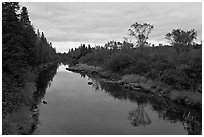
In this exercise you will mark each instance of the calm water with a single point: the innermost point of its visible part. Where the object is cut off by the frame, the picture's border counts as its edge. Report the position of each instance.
(74, 107)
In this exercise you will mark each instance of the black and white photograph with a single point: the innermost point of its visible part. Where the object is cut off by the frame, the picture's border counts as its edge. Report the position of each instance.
(101, 68)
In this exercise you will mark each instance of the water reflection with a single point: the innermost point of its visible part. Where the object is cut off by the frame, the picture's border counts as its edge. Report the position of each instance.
(137, 117)
(166, 109)
(25, 119)
(83, 75)
(43, 81)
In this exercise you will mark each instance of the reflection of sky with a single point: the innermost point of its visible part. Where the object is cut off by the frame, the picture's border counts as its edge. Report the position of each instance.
(74, 107)
(63, 68)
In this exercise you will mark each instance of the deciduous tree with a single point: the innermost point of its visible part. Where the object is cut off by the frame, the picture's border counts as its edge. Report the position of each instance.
(181, 39)
(140, 32)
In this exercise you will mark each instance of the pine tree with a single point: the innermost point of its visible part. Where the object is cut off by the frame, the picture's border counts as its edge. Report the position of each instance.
(24, 16)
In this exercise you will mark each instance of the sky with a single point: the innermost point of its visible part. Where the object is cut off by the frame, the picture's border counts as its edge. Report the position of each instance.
(68, 24)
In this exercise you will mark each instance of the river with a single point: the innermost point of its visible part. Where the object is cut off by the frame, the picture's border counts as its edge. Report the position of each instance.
(75, 107)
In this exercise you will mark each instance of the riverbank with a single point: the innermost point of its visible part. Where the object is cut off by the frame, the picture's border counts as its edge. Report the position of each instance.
(136, 82)
(19, 114)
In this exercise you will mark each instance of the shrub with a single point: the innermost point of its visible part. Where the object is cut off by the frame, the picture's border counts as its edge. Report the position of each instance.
(118, 63)
(132, 78)
(180, 71)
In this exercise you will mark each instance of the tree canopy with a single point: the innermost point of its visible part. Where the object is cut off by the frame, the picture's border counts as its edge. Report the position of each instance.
(178, 36)
(181, 39)
(22, 49)
(140, 32)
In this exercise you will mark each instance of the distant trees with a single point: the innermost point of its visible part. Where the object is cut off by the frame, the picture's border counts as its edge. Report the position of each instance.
(140, 32)
(181, 39)
(113, 45)
(180, 71)
(77, 53)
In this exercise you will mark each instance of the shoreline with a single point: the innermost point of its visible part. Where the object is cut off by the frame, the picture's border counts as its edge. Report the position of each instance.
(136, 82)
(17, 121)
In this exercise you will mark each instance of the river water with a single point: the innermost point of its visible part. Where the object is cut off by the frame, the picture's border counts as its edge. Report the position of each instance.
(75, 107)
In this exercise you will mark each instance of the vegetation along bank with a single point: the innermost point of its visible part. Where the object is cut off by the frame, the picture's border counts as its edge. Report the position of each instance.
(25, 53)
(173, 70)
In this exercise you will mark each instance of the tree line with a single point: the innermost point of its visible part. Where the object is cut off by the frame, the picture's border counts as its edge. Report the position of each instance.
(22, 50)
(178, 64)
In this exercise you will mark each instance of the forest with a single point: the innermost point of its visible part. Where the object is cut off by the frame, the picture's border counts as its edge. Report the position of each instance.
(23, 51)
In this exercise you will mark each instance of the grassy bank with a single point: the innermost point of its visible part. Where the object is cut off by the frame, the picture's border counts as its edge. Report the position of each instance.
(19, 115)
(135, 82)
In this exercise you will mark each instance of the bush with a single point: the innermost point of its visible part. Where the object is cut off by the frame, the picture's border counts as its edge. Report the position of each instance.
(180, 71)
(132, 78)
(118, 62)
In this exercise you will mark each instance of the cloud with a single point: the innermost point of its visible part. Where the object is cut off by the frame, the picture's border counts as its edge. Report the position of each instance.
(101, 22)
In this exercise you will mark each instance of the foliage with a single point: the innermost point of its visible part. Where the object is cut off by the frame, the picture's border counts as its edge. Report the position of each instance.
(140, 32)
(22, 50)
(131, 78)
(180, 71)
(181, 39)
(118, 62)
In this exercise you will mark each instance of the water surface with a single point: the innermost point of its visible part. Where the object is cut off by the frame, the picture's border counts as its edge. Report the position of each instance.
(74, 107)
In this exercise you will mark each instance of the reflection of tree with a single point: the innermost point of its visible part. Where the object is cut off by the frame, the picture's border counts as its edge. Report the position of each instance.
(114, 90)
(44, 81)
(166, 109)
(191, 118)
(139, 117)
(194, 127)
(82, 75)
(96, 84)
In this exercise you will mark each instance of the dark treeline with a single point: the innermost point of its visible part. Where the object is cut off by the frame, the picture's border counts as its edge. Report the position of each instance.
(22, 50)
(178, 64)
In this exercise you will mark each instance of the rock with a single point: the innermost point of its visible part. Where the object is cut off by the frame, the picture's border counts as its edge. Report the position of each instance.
(120, 82)
(126, 86)
(73, 69)
(35, 110)
(44, 102)
(90, 83)
(35, 113)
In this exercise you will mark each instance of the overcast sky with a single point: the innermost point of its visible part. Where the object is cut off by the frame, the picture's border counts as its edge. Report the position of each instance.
(67, 25)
